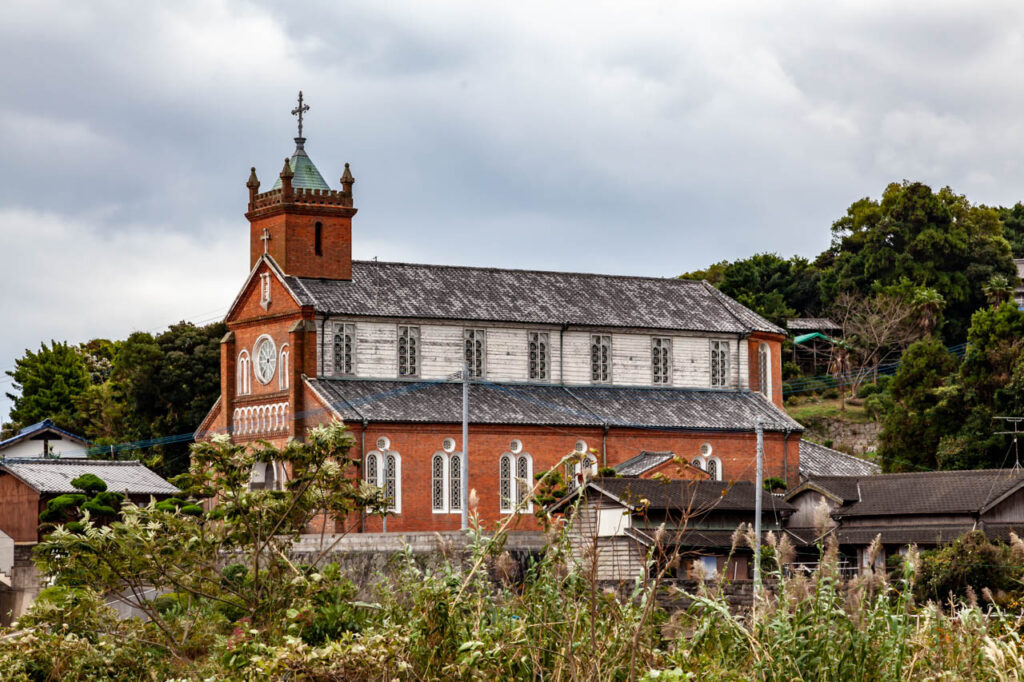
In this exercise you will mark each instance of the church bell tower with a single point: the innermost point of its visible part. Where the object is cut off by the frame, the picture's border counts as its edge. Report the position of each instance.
(303, 224)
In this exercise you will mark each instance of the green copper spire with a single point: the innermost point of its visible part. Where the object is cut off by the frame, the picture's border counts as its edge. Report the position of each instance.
(306, 174)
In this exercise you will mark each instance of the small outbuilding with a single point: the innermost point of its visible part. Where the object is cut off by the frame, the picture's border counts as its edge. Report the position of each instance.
(26, 485)
(44, 439)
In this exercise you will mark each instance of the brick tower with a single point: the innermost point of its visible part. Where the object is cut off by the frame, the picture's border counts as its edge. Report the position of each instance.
(303, 224)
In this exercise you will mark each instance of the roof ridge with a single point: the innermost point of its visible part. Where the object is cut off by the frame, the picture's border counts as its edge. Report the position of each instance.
(689, 282)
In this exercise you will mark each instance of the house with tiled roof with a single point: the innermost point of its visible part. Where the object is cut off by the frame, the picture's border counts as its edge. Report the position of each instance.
(604, 366)
(926, 509)
(44, 439)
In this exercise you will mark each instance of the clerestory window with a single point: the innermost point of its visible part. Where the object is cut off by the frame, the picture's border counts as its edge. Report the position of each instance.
(719, 363)
(408, 351)
(538, 356)
(601, 358)
(661, 360)
(475, 346)
(344, 349)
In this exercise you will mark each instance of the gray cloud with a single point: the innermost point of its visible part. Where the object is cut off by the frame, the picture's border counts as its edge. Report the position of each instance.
(645, 138)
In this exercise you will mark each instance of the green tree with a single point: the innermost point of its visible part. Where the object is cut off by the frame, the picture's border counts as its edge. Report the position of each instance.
(913, 426)
(47, 383)
(1013, 227)
(933, 239)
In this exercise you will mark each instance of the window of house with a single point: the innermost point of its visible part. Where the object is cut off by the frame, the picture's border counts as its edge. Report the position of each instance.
(408, 351)
(515, 475)
(538, 355)
(384, 470)
(344, 348)
(719, 363)
(601, 358)
(475, 348)
(243, 374)
(764, 377)
(661, 360)
(446, 482)
(714, 470)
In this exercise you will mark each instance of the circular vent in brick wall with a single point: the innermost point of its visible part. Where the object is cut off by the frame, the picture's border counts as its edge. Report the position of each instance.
(448, 444)
(383, 444)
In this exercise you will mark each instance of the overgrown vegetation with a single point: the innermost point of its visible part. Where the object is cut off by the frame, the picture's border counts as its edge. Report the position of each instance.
(234, 605)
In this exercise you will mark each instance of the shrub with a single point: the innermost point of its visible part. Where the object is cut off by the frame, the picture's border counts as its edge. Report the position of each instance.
(830, 394)
(970, 562)
(774, 483)
(90, 483)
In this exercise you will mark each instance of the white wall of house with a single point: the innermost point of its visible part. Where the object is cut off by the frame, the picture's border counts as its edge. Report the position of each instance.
(34, 448)
(441, 353)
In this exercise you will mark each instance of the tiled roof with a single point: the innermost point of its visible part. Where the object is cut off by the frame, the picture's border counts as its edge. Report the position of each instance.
(645, 461)
(306, 175)
(55, 475)
(811, 324)
(37, 429)
(817, 460)
(902, 535)
(695, 496)
(491, 403)
(931, 492)
(407, 290)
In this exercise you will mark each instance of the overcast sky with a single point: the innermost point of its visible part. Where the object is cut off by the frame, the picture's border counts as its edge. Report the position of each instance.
(646, 138)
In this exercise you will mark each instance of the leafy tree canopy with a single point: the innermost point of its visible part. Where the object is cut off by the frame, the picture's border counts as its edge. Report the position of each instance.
(46, 384)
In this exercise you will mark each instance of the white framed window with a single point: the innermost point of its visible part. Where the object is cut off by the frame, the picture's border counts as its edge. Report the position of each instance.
(601, 358)
(408, 351)
(446, 482)
(661, 360)
(537, 347)
(699, 463)
(265, 290)
(712, 465)
(344, 349)
(515, 477)
(243, 374)
(719, 363)
(264, 354)
(283, 362)
(384, 470)
(266, 476)
(476, 348)
(764, 370)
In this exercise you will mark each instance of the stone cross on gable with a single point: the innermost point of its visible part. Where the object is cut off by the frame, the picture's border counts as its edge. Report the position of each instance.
(266, 239)
(298, 111)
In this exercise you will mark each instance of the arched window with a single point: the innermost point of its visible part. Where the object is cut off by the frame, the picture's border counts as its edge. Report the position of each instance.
(577, 473)
(714, 469)
(371, 468)
(243, 374)
(699, 463)
(344, 349)
(764, 367)
(393, 481)
(283, 380)
(437, 483)
(505, 482)
(524, 479)
(455, 483)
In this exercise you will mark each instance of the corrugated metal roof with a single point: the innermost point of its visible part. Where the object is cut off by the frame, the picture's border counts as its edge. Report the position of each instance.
(817, 460)
(55, 475)
(408, 290)
(492, 403)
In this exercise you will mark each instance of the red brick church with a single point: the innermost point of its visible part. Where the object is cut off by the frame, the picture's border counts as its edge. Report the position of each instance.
(561, 362)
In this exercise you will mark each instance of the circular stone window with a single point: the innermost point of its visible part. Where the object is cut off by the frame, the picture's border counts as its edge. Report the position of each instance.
(383, 443)
(705, 449)
(448, 445)
(581, 446)
(516, 446)
(265, 354)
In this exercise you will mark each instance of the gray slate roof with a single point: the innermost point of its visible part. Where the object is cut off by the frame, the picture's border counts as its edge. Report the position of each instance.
(817, 460)
(645, 461)
(931, 492)
(55, 475)
(406, 290)
(491, 403)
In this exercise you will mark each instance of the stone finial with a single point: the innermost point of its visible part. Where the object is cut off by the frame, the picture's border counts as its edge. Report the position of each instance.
(254, 186)
(347, 180)
(286, 181)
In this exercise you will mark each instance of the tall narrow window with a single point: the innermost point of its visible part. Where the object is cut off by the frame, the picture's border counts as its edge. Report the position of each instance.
(283, 378)
(265, 290)
(455, 483)
(437, 496)
(344, 348)
(372, 468)
(713, 470)
(538, 347)
(408, 351)
(392, 482)
(318, 236)
(505, 479)
(600, 358)
(475, 348)
(719, 363)
(243, 379)
(661, 360)
(764, 377)
(579, 472)
(523, 478)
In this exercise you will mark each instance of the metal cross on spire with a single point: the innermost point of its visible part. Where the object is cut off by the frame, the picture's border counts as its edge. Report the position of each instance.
(298, 111)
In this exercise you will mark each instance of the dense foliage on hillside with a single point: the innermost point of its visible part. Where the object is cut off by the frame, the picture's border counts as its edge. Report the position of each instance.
(143, 387)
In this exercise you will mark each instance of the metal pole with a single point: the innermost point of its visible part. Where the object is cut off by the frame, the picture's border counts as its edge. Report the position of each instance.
(465, 446)
(759, 488)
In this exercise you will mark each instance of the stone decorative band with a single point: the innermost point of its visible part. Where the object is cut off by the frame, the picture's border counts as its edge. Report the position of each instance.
(266, 418)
